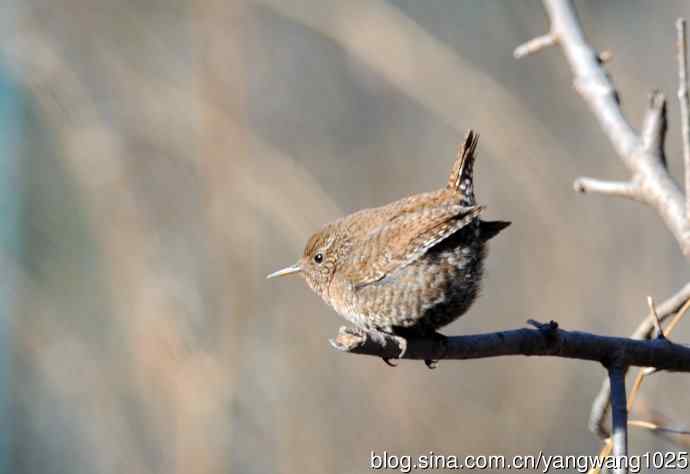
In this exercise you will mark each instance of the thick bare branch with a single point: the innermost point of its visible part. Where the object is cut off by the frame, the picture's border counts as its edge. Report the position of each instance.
(654, 128)
(642, 154)
(590, 78)
(682, 48)
(548, 340)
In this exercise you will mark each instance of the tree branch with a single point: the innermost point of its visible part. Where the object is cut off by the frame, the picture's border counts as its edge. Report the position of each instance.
(548, 340)
(656, 318)
(642, 154)
(628, 190)
(654, 128)
(655, 427)
(644, 330)
(619, 414)
(534, 45)
(682, 46)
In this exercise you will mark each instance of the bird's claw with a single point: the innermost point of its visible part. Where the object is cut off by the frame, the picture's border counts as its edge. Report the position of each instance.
(443, 341)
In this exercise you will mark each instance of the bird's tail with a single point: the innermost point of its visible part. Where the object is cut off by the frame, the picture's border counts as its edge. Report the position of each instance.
(461, 178)
(489, 229)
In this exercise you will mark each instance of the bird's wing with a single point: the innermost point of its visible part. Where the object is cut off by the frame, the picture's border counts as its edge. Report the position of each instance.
(404, 238)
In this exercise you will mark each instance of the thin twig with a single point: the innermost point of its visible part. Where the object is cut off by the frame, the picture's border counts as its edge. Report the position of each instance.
(641, 375)
(619, 415)
(534, 45)
(657, 321)
(624, 189)
(655, 427)
(676, 304)
(604, 452)
(666, 429)
(682, 47)
(635, 389)
(676, 319)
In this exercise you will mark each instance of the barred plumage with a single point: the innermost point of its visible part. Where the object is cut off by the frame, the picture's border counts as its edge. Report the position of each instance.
(410, 267)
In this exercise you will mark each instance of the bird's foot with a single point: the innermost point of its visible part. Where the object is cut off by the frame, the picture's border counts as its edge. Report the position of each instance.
(442, 341)
(386, 331)
(351, 338)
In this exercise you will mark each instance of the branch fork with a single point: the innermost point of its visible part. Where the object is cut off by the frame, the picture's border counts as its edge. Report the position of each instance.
(643, 154)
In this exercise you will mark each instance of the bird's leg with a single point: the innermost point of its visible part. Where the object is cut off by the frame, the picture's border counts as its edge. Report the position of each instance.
(443, 342)
(438, 339)
(386, 330)
(355, 335)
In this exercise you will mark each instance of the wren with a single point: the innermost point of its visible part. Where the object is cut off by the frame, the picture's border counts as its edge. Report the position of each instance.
(407, 268)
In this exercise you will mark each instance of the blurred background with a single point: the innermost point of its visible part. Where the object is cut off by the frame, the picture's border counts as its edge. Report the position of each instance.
(159, 157)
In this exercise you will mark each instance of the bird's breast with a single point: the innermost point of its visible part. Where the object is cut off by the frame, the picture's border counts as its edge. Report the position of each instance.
(431, 291)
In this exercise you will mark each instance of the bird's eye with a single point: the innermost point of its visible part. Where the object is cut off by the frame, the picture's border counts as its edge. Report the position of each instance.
(318, 258)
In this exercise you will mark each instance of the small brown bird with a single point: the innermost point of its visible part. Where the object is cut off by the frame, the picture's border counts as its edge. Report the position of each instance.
(407, 268)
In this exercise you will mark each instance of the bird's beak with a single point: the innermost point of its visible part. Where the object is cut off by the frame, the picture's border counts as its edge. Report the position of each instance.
(285, 271)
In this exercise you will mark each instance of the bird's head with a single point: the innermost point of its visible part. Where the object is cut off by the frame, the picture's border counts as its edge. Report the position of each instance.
(318, 261)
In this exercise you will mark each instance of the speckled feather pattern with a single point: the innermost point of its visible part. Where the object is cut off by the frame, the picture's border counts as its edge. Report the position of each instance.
(413, 265)
(425, 295)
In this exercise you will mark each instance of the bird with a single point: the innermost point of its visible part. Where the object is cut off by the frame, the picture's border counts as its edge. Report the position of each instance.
(407, 268)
